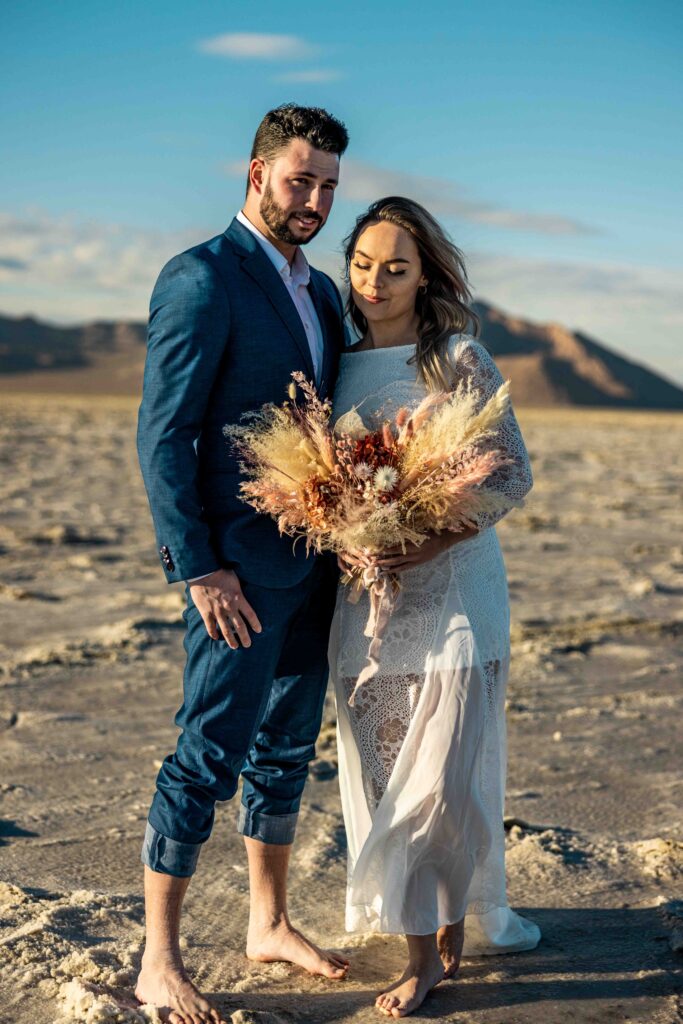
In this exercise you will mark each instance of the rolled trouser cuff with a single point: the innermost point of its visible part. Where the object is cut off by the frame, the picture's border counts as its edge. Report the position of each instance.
(278, 829)
(168, 856)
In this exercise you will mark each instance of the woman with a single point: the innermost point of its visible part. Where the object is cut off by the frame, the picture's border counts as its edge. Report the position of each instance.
(422, 749)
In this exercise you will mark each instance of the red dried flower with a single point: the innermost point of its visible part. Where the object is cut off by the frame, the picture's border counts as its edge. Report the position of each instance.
(373, 450)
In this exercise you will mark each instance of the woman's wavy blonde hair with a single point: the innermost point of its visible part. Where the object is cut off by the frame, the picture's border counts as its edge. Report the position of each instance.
(443, 306)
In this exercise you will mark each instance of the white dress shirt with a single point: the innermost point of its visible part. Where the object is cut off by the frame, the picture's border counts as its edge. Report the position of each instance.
(296, 278)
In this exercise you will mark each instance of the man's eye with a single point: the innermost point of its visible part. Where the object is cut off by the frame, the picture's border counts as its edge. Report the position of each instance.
(361, 266)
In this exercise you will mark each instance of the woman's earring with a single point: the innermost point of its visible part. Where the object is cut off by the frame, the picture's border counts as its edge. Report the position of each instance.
(423, 289)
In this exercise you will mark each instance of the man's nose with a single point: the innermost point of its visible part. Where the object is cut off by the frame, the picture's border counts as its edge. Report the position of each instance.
(316, 200)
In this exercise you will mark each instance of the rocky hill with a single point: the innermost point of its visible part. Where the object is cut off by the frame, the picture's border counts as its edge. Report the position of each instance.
(549, 365)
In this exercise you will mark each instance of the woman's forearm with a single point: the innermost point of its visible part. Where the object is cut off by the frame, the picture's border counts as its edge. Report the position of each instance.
(464, 534)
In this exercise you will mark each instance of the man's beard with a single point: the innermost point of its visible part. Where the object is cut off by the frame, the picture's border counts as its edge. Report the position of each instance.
(277, 220)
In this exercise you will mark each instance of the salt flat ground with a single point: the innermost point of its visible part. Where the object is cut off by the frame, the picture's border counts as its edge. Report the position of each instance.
(91, 651)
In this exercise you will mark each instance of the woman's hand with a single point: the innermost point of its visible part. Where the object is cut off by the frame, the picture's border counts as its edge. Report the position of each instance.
(395, 560)
(351, 561)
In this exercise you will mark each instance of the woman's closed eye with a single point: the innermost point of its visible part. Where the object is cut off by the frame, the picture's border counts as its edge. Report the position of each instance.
(363, 266)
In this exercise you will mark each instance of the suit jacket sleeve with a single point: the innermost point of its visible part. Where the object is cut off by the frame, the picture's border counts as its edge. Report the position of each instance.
(188, 329)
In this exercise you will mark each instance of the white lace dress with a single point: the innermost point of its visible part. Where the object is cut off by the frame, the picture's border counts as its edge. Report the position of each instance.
(422, 751)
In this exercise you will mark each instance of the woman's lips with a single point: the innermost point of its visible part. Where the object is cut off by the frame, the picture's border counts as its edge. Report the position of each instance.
(373, 299)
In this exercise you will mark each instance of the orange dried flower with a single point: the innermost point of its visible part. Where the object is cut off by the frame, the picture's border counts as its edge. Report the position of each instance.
(319, 497)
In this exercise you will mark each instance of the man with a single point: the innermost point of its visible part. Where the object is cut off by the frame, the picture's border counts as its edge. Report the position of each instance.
(229, 321)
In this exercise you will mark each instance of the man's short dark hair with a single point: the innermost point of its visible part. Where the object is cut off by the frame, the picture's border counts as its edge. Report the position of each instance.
(287, 122)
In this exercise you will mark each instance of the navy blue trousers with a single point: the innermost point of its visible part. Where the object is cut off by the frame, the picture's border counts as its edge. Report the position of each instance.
(252, 711)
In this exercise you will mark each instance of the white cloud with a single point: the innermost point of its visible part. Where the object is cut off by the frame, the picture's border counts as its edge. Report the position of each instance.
(257, 46)
(236, 168)
(69, 269)
(312, 75)
(363, 182)
(636, 310)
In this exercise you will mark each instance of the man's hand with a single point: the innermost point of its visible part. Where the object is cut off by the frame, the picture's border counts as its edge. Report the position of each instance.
(224, 608)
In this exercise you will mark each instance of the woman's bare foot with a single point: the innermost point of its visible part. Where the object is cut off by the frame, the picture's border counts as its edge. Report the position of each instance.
(450, 941)
(282, 942)
(411, 989)
(164, 983)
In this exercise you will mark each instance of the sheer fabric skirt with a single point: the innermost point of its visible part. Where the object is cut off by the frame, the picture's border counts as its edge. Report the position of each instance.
(422, 754)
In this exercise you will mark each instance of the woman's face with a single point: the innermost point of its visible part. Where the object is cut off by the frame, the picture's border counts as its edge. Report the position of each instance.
(385, 272)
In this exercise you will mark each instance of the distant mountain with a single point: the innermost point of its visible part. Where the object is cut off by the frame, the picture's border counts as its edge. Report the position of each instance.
(104, 357)
(548, 364)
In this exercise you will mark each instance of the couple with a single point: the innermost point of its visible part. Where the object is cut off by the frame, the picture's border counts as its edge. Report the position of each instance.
(422, 751)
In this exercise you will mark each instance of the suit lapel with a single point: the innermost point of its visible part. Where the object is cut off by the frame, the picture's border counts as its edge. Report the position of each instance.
(328, 317)
(256, 263)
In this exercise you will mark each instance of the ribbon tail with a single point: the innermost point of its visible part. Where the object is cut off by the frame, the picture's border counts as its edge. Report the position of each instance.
(369, 670)
(356, 585)
(384, 598)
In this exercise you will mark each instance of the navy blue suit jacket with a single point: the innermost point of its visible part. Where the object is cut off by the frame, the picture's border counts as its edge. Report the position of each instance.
(224, 337)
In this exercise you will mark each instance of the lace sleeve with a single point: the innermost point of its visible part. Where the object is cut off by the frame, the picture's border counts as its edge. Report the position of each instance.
(473, 363)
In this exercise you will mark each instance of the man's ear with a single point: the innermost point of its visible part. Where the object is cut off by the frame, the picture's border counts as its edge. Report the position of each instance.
(257, 173)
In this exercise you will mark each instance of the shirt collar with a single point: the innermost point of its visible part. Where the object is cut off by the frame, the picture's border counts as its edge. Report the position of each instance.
(299, 272)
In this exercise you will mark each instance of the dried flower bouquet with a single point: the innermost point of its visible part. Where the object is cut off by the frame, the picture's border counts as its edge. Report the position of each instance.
(349, 486)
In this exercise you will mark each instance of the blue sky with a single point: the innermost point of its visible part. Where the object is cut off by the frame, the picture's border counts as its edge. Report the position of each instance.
(546, 137)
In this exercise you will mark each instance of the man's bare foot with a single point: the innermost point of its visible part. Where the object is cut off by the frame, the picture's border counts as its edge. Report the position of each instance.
(282, 942)
(164, 983)
(411, 989)
(450, 940)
